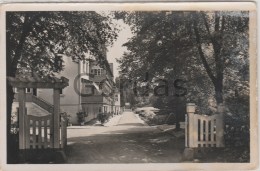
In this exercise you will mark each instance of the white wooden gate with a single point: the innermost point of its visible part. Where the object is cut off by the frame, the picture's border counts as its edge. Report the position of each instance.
(39, 132)
(203, 130)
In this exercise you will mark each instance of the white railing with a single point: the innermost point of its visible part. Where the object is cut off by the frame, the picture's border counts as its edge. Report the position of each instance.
(42, 103)
(203, 130)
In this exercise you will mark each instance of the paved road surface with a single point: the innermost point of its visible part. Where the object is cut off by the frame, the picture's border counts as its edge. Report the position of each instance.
(130, 119)
(130, 141)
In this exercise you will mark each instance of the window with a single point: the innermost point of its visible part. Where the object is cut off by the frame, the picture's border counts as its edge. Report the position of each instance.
(35, 91)
(87, 69)
(28, 90)
(15, 90)
(100, 109)
(83, 67)
(116, 97)
(89, 89)
(86, 110)
(97, 72)
(61, 91)
(105, 108)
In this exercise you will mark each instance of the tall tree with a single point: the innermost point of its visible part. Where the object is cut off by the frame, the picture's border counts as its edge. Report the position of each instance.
(203, 48)
(34, 40)
(166, 42)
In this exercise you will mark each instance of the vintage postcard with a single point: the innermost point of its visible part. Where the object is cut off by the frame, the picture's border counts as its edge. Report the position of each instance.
(129, 86)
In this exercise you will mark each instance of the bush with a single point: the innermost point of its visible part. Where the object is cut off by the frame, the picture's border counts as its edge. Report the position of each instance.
(81, 117)
(104, 117)
(66, 117)
(237, 121)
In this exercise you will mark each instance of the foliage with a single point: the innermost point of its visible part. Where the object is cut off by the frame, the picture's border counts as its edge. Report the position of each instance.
(207, 49)
(67, 117)
(104, 117)
(237, 121)
(81, 117)
(34, 39)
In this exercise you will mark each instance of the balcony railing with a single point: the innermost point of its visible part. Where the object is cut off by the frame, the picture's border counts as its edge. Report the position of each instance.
(43, 104)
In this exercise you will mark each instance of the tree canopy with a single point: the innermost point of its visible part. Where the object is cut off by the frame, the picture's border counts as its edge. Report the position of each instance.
(34, 39)
(207, 49)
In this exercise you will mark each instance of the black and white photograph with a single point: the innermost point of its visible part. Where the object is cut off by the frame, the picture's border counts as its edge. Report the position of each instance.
(113, 84)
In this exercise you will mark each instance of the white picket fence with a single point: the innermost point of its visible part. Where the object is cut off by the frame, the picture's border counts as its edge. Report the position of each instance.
(203, 130)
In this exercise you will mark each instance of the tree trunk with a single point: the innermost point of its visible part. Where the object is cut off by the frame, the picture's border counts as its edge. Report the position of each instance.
(177, 114)
(219, 91)
(12, 147)
(11, 68)
(218, 79)
(12, 139)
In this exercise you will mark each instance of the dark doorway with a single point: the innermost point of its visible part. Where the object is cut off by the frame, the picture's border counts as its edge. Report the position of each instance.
(35, 91)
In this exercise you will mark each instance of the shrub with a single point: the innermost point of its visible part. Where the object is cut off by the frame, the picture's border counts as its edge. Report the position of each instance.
(103, 117)
(81, 117)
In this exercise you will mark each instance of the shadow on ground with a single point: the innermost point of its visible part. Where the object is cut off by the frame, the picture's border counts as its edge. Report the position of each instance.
(131, 124)
(126, 146)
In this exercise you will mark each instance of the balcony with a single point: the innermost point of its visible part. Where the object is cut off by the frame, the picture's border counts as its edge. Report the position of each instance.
(97, 99)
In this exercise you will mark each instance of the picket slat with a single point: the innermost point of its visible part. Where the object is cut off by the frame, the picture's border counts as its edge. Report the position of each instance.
(207, 132)
(40, 134)
(201, 130)
(45, 134)
(34, 134)
(212, 131)
(195, 132)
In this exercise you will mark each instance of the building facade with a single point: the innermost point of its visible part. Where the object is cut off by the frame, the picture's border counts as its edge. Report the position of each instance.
(91, 90)
(98, 90)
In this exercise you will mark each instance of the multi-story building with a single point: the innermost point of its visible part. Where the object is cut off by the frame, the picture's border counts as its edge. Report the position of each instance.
(91, 89)
(98, 90)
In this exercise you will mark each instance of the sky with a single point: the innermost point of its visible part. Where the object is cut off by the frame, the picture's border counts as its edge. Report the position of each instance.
(116, 51)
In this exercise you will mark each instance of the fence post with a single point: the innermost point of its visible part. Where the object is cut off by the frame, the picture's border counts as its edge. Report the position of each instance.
(220, 126)
(186, 130)
(190, 108)
(56, 118)
(21, 118)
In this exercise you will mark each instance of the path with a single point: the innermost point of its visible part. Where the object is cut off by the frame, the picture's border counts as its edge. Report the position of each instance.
(130, 141)
(130, 119)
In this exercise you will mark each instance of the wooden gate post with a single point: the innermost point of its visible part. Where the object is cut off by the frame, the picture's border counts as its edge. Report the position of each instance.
(190, 108)
(22, 125)
(56, 118)
(188, 154)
